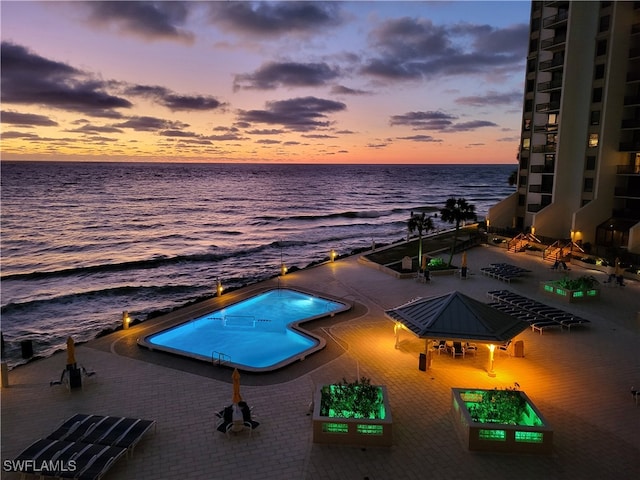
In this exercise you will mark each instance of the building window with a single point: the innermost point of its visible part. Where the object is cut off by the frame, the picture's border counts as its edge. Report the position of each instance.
(533, 45)
(599, 71)
(601, 48)
(531, 66)
(595, 117)
(596, 97)
(521, 200)
(604, 23)
(523, 180)
(590, 163)
(593, 140)
(528, 105)
(530, 85)
(526, 143)
(588, 185)
(527, 124)
(524, 161)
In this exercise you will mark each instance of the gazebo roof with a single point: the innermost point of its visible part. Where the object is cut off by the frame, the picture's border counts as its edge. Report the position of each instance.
(457, 316)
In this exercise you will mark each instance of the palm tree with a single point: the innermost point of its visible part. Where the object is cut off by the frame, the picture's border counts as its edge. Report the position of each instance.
(456, 210)
(421, 223)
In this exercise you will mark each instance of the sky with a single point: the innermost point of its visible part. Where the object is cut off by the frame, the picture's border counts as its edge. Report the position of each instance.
(380, 82)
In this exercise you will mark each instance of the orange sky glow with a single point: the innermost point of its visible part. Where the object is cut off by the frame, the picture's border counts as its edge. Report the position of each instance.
(263, 82)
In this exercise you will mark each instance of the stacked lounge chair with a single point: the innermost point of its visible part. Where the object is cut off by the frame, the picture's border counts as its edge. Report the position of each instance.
(538, 315)
(504, 271)
(84, 446)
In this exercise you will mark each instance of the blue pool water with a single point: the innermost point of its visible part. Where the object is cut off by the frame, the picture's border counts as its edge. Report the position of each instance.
(255, 334)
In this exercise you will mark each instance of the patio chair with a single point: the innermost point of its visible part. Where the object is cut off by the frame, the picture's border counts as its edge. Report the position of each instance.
(457, 350)
(504, 348)
(471, 348)
(440, 346)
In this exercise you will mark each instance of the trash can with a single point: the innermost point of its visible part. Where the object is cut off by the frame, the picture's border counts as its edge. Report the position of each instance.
(518, 348)
(27, 348)
(422, 363)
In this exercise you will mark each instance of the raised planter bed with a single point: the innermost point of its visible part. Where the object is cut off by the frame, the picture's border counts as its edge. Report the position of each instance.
(569, 295)
(342, 426)
(500, 421)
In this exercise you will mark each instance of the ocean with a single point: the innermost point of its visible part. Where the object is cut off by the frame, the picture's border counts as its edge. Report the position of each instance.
(83, 242)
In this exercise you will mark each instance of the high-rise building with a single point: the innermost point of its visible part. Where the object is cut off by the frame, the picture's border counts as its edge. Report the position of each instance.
(579, 155)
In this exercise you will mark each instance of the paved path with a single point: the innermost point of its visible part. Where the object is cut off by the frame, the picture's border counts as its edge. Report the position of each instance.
(579, 380)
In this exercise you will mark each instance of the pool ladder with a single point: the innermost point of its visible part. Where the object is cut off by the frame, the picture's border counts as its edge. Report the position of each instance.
(219, 358)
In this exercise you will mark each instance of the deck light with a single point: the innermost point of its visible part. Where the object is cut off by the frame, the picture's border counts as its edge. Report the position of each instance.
(219, 288)
(283, 269)
(126, 320)
(333, 255)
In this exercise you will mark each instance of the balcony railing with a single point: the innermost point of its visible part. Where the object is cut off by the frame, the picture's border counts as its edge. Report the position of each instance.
(549, 148)
(546, 128)
(626, 192)
(629, 147)
(550, 85)
(631, 123)
(553, 42)
(555, 19)
(535, 188)
(550, 64)
(534, 207)
(631, 101)
(541, 168)
(548, 107)
(628, 169)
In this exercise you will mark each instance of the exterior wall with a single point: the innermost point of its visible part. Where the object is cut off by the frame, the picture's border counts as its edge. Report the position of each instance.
(502, 214)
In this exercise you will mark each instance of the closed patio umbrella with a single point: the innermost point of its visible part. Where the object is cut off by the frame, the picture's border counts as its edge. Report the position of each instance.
(236, 386)
(463, 266)
(71, 352)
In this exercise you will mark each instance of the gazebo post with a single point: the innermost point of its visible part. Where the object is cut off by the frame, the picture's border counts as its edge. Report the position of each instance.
(491, 372)
(428, 344)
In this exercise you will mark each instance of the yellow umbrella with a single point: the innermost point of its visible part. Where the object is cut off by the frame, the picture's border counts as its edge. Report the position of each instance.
(236, 386)
(71, 352)
(464, 259)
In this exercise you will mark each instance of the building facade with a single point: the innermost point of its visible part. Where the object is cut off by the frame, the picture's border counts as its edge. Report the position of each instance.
(579, 154)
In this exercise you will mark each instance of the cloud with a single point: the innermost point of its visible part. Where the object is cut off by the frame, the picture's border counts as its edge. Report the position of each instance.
(342, 90)
(429, 120)
(29, 79)
(491, 98)
(288, 74)
(437, 120)
(27, 119)
(148, 124)
(414, 48)
(269, 19)
(297, 114)
(88, 128)
(173, 101)
(149, 20)
(420, 138)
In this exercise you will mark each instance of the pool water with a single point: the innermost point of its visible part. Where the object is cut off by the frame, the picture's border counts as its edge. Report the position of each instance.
(259, 333)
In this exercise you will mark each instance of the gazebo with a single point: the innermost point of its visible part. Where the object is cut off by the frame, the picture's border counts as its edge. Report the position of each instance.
(455, 316)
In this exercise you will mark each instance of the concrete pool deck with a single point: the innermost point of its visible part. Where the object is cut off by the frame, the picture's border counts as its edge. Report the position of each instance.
(580, 381)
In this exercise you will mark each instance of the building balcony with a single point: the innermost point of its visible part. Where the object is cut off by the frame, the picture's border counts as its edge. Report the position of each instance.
(630, 124)
(552, 64)
(629, 146)
(553, 42)
(551, 85)
(555, 20)
(546, 128)
(626, 192)
(541, 169)
(549, 148)
(628, 169)
(633, 76)
(534, 207)
(631, 101)
(634, 53)
(548, 107)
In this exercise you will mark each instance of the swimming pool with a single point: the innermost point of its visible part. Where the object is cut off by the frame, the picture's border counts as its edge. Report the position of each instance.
(260, 333)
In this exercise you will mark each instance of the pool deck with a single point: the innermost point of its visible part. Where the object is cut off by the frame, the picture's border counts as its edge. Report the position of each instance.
(579, 380)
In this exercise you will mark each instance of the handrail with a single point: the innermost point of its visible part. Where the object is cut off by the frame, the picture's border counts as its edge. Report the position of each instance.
(221, 358)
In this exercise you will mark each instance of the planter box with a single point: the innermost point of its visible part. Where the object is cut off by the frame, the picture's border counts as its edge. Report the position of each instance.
(531, 435)
(570, 296)
(352, 431)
